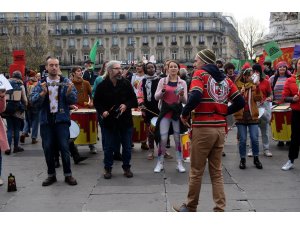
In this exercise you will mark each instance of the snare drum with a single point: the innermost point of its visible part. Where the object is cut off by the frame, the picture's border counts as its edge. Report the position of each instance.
(281, 123)
(87, 121)
(139, 127)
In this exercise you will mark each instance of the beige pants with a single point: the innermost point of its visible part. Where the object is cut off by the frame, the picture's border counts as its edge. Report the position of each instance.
(207, 143)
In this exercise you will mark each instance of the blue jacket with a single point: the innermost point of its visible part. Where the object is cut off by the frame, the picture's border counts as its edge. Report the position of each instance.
(63, 114)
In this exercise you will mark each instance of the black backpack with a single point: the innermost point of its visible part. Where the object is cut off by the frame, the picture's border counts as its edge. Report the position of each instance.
(13, 99)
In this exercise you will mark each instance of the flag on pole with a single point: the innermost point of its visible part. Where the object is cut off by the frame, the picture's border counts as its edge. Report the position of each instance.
(93, 51)
(273, 50)
(296, 51)
(236, 63)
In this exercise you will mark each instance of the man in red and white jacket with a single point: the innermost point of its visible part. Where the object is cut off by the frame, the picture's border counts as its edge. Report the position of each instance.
(209, 95)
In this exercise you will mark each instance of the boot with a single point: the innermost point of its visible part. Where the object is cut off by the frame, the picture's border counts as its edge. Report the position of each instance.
(75, 154)
(257, 163)
(107, 173)
(243, 164)
(160, 164)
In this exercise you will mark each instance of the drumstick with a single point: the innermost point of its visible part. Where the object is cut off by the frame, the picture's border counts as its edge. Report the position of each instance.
(151, 111)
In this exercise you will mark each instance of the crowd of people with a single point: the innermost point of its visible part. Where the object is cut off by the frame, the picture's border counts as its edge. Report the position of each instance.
(209, 100)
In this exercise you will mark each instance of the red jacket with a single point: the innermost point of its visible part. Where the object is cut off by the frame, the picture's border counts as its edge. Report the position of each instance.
(290, 89)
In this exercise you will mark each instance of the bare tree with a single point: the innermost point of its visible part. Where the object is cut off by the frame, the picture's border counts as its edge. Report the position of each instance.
(34, 40)
(250, 31)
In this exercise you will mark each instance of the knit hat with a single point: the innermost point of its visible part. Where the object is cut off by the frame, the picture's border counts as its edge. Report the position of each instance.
(280, 64)
(221, 61)
(207, 56)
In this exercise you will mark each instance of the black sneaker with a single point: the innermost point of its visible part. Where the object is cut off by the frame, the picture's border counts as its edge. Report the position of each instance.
(242, 164)
(49, 181)
(107, 173)
(18, 149)
(257, 163)
(79, 159)
(70, 180)
(7, 152)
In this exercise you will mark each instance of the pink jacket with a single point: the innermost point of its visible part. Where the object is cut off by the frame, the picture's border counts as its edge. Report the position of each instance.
(3, 138)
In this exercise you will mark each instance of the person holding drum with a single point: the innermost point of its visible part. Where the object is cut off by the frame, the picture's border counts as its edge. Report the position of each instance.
(171, 93)
(54, 95)
(277, 82)
(209, 94)
(84, 94)
(147, 102)
(291, 94)
(114, 98)
(247, 118)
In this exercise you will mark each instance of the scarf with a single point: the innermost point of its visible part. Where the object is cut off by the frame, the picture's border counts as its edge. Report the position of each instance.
(148, 85)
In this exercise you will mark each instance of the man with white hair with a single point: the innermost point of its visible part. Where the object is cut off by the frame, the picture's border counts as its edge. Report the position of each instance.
(114, 98)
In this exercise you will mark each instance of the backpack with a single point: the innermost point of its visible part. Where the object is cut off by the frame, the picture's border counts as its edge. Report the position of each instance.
(13, 99)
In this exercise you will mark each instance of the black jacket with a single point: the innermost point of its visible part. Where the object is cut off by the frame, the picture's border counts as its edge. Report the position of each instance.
(89, 76)
(109, 98)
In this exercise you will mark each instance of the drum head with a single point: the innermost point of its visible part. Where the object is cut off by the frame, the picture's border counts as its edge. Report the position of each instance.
(153, 121)
(261, 111)
(74, 130)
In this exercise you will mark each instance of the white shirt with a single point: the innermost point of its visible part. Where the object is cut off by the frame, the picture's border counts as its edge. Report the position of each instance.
(53, 95)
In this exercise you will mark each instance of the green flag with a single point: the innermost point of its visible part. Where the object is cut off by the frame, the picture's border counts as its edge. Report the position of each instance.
(236, 63)
(93, 51)
(273, 50)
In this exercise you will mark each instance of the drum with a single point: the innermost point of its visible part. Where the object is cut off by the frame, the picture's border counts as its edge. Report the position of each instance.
(74, 130)
(139, 127)
(281, 123)
(185, 143)
(87, 121)
(153, 124)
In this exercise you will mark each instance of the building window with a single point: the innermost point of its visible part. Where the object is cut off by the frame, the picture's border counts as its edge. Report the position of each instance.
(130, 56)
(58, 57)
(144, 15)
(115, 41)
(99, 15)
(26, 15)
(57, 29)
(86, 29)
(187, 54)
(173, 38)
(160, 55)
(159, 15)
(100, 30)
(187, 15)
(173, 28)
(115, 56)
(114, 15)
(159, 27)
(188, 39)
(38, 15)
(129, 15)
(71, 16)
(16, 18)
(145, 39)
(85, 16)
(173, 14)
(201, 25)
(16, 30)
(101, 57)
(130, 28)
(72, 58)
(174, 54)
(114, 28)
(200, 14)
(201, 39)
(71, 42)
(146, 55)
(57, 16)
(131, 40)
(214, 25)
(145, 27)
(159, 39)
(26, 29)
(71, 31)
(85, 42)
(2, 16)
(187, 26)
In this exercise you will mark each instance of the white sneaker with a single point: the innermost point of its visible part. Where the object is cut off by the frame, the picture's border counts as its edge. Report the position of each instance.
(268, 153)
(180, 167)
(159, 167)
(288, 166)
(250, 154)
(93, 150)
(1, 181)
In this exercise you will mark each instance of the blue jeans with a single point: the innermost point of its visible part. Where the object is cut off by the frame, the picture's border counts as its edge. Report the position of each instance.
(52, 136)
(32, 122)
(13, 125)
(242, 134)
(113, 139)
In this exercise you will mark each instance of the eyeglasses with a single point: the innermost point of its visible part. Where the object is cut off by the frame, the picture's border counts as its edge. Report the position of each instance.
(117, 68)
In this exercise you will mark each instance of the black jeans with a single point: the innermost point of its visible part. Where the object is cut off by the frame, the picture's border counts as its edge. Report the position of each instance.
(295, 136)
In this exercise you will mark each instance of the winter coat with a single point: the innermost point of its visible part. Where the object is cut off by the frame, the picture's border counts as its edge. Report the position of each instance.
(3, 137)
